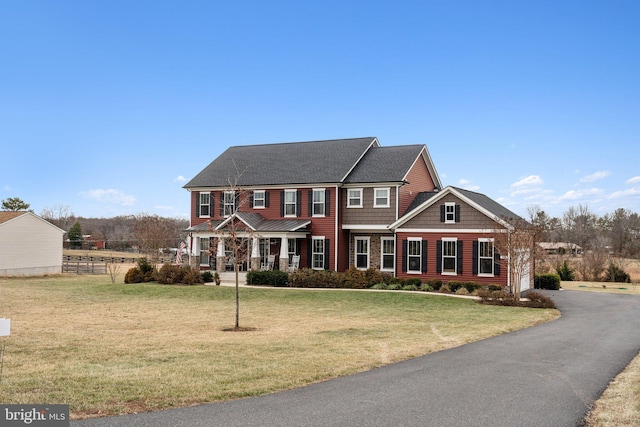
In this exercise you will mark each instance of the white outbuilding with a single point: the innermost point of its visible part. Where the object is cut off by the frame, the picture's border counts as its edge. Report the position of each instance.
(29, 245)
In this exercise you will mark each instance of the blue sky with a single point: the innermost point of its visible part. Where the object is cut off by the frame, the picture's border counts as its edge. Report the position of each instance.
(108, 107)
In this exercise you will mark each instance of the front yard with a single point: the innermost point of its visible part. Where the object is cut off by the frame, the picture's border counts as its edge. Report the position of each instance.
(108, 348)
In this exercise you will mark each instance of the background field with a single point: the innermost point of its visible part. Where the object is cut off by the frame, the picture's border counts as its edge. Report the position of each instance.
(112, 348)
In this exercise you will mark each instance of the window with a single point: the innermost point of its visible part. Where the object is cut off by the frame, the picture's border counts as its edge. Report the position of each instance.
(317, 253)
(362, 253)
(289, 202)
(449, 212)
(291, 248)
(205, 204)
(354, 198)
(204, 251)
(485, 256)
(259, 199)
(318, 202)
(229, 203)
(381, 197)
(414, 256)
(449, 257)
(387, 253)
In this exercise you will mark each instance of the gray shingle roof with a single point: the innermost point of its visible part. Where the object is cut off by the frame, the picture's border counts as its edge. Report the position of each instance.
(258, 223)
(285, 163)
(385, 164)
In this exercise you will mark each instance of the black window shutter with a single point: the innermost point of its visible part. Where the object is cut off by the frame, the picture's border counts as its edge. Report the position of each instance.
(439, 256)
(298, 203)
(309, 253)
(251, 199)
(197, 204)
(459, 257)
(310, 203)
(404, 255)
(441, 213)
(457, 213)
(327, 197)
(496, 262)
(221, 204)
(282, 203)
(266, 199)
(424, 256)
(326, 254)
(474, 267)
(212, 205)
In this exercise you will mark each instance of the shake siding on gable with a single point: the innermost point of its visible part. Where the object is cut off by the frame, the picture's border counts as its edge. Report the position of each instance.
(419, 179)
(470, 218)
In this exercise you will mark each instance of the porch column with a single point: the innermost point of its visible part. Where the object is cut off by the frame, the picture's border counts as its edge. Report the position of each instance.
(284, 253)
(255, 253)
(220, 258)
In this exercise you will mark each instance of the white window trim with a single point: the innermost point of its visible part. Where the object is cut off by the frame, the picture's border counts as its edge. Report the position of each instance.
(375, 199)
(455, 257)
(313, 203)
(314, 253)
(447, 220)
(349, 205)
(225, 204)
(419, 270)
(295, 203)
(264, 199)
(368, 253)
(382, 253)
(493, 271)
(200, 204)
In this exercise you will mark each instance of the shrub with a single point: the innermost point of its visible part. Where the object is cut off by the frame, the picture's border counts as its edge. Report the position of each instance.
(471, 286)
(379, 286)
(427, 288)
(462, 291)
(191, 276)
(617, 274)
(454, 286)
(355, 279)
(134, 275)
(308, 278)
(207, 277)
(435, 284)
(374, 276)
(171, 274)
(413, 281)
(445, 289)
(565, 272)
(144, 272)
(145, 266)
(547, 281)
(494, 287)
(275, 278)
(408, 287)
(394, 286)
(537, 300)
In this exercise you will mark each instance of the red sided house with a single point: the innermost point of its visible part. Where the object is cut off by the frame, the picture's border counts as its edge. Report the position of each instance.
(341, 203)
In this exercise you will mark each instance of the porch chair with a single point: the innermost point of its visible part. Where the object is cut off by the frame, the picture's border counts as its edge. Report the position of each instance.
(271, 259)
(295, 263)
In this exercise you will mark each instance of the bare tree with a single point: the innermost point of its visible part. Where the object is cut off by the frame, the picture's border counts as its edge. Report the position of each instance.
(59, 215)
(153, 233)
(516, 242)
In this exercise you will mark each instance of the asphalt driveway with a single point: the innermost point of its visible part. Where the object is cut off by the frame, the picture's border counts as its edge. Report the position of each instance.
(547, 375)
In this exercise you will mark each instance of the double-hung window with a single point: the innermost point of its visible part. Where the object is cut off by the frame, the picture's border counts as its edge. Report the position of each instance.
(362, 253)
(205, 204)
(381, 197)
(319, 202)
(354, 198)
(317, 253)
(449, 212)
(387, 253)
(290, 202)
(259, 199)
(229, 203)
(449, 256)
(414, 256)
(485, 256)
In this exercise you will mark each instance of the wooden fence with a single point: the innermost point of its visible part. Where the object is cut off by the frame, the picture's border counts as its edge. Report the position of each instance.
(84, 267)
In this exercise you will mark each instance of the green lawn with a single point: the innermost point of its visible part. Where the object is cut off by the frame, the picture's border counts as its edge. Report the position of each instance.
(109, 348)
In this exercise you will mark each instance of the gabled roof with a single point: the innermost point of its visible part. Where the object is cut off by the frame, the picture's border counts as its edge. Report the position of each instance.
(390, 164)
(255, 222)
(328, 161)
(6, 216)
(482, 203)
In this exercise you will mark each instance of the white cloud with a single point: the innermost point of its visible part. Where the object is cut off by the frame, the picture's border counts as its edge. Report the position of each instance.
(530, 180)
(634, 180)
(579, 194)
(595, 176)
(464, 181)
(180, 178)
(109, 196)
(624, 193)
